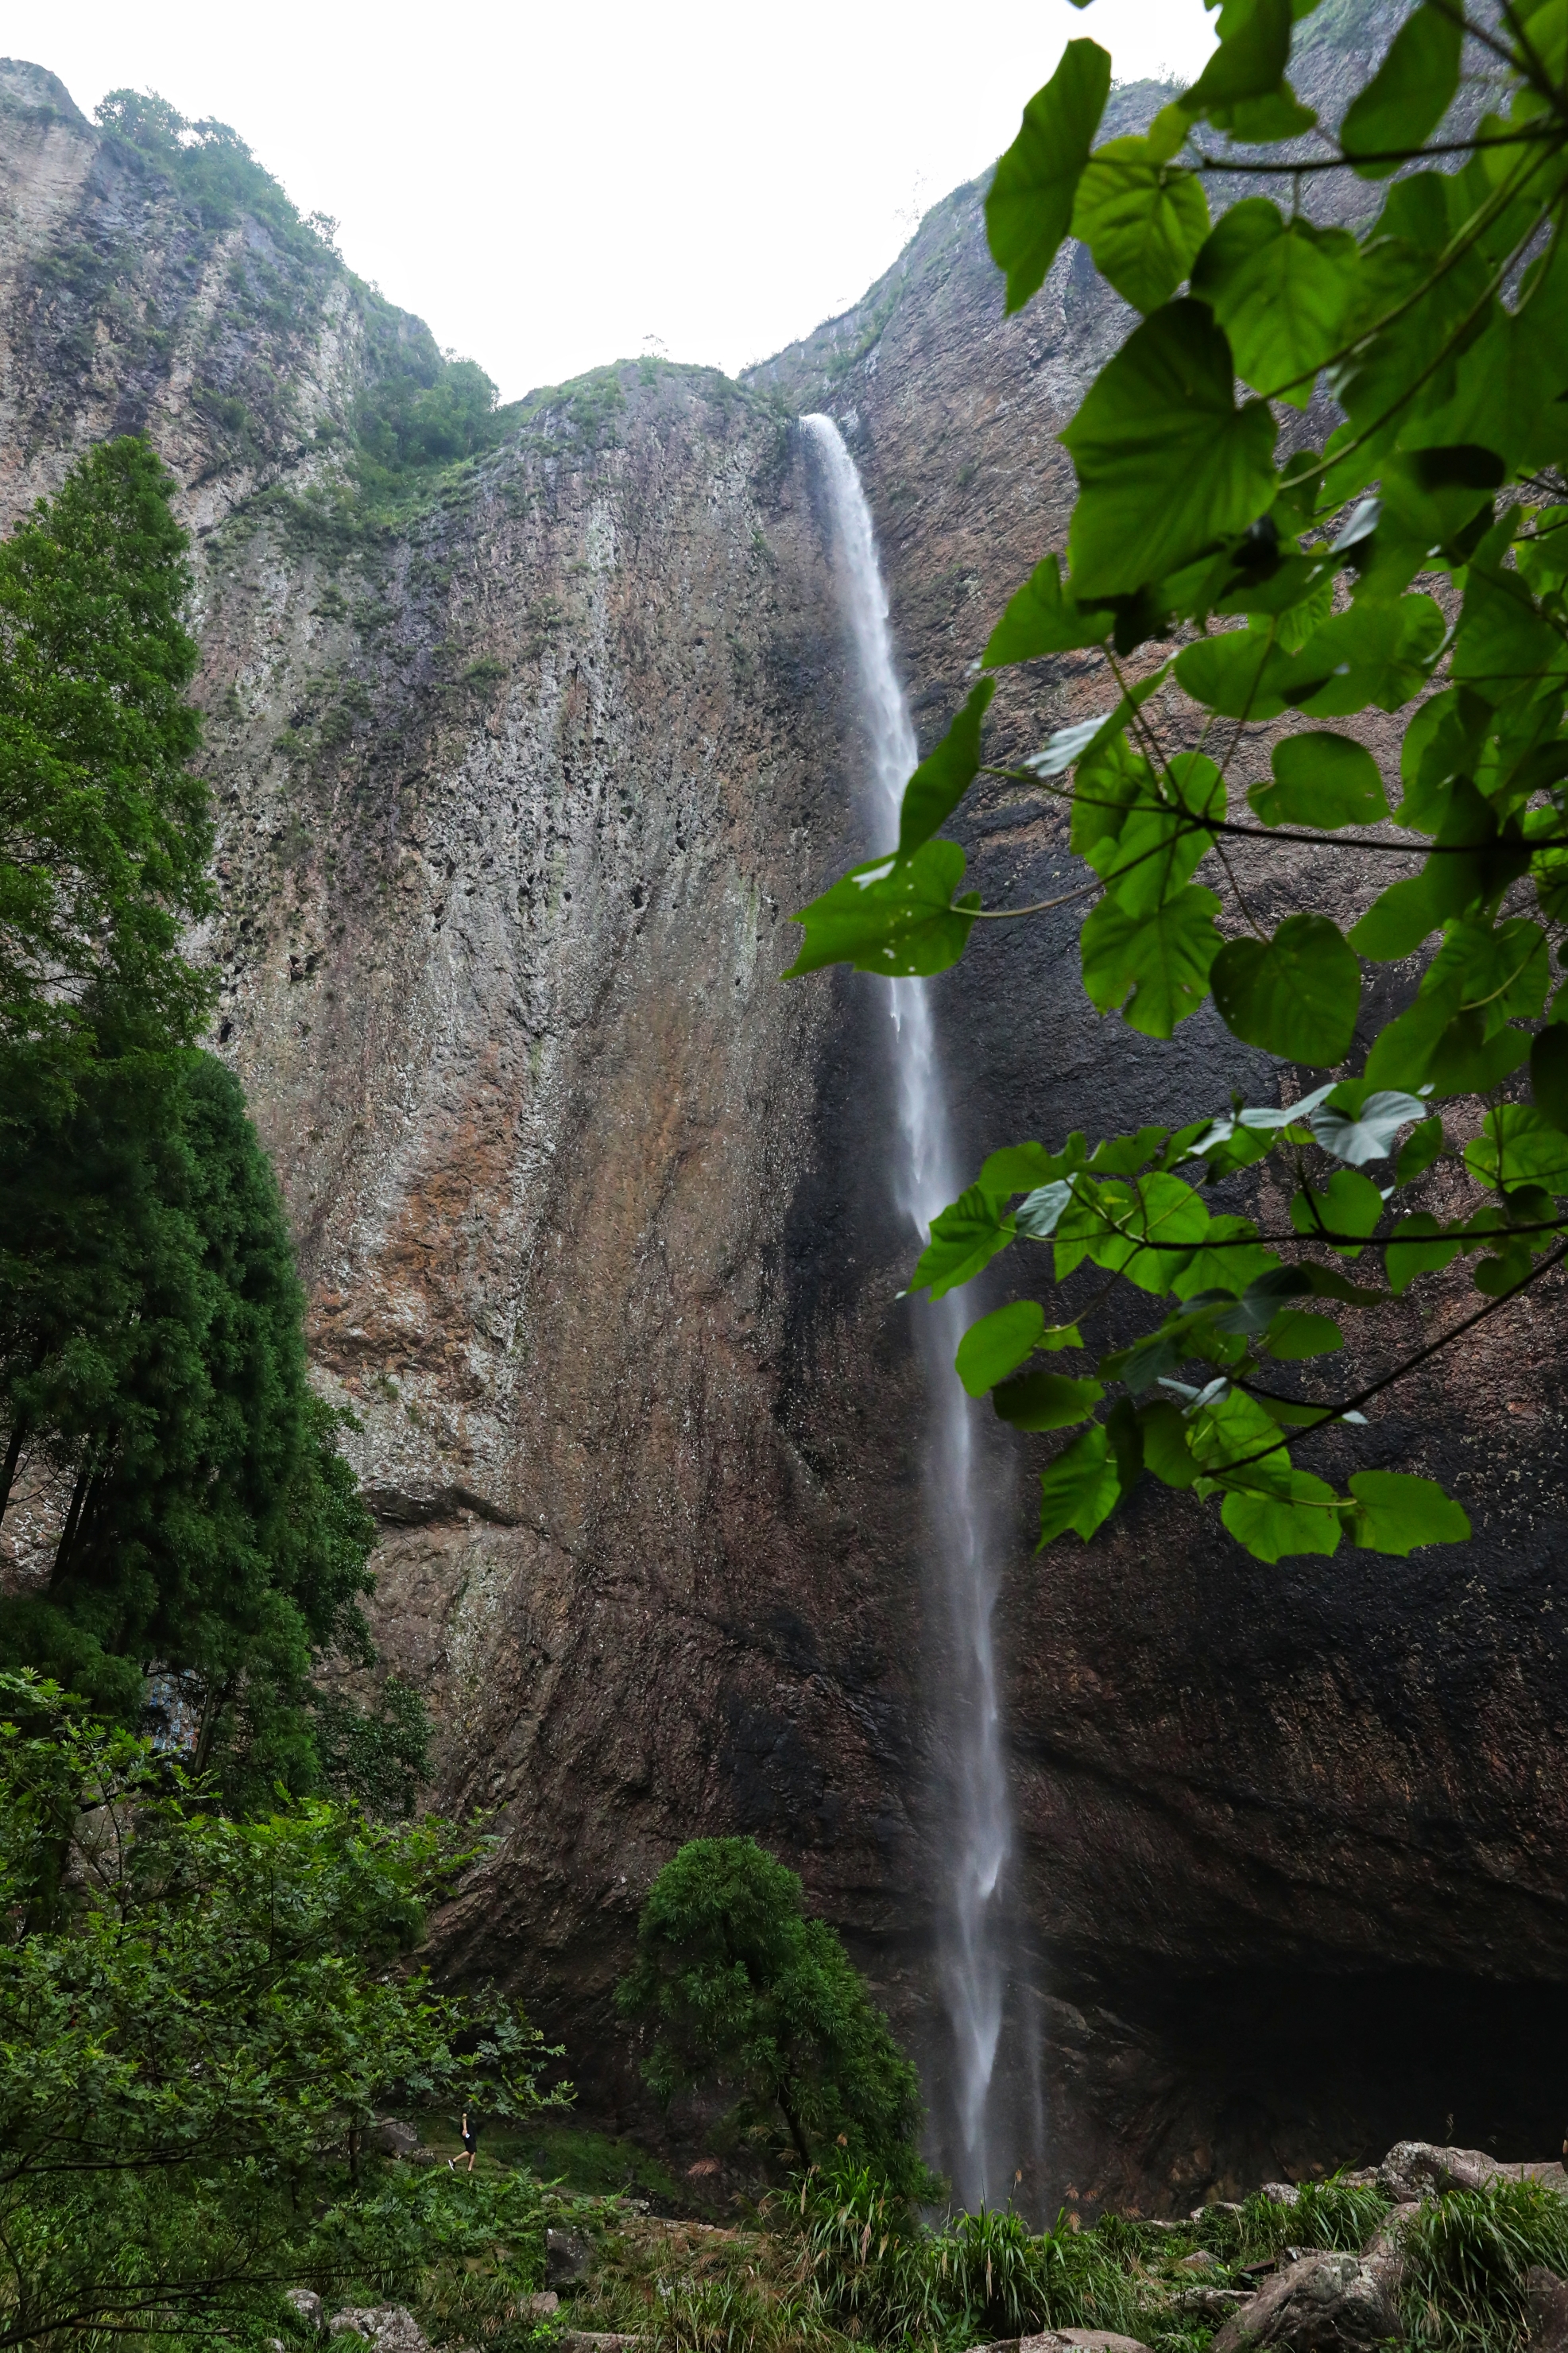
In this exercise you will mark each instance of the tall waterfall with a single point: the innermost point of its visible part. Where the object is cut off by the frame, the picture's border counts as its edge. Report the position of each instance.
(976, 1831)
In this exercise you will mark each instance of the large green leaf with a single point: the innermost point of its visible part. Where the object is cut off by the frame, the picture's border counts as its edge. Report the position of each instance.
(1155, 966)
(1043, 617)
(1168, 467)
(1418, 1246)
(1408, 95)
(1080, 1489)
(1295, 1332)
(1300, 1517)
(1159, 838)
(1029, 207)
(1165, 1449)
(964, 1238)
(998, 1345)
(1045, 1400)
(1142, 218)
(1378, 654)
(1279, 289)
(945, 775)
(1249, 63)
(1225, 672)
(1397, 920)
(1399, 1512)
(1320, 779)
(892, 915)
(1350, 1204)
(1295, 995)
(1356, 1126)
(1519, 1145)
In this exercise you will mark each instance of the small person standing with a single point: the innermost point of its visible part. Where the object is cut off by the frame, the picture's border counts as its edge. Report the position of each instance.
(470, 2131)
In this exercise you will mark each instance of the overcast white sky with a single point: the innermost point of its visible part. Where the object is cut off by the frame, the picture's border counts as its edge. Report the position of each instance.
(553, 185)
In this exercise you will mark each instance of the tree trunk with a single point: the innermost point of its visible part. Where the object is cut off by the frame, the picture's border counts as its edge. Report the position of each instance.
(802, 2148)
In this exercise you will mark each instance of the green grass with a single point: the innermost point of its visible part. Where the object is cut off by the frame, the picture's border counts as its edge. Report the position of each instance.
(1331, 2213)
(1466, 2256)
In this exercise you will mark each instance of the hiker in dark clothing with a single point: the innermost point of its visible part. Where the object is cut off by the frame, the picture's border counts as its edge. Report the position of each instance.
(470, 2130)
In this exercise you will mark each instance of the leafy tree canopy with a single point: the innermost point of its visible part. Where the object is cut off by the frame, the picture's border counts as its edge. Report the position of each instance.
(1416, 563)
(199, 2017)
(742, 1988)
(104, 830)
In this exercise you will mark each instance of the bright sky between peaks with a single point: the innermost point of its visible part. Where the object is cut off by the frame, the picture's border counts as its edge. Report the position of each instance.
(554, 185)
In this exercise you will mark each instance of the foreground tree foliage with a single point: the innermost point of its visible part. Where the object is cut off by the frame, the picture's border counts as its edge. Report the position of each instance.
(199, 2017)
(1417, 563)
(743, 1989)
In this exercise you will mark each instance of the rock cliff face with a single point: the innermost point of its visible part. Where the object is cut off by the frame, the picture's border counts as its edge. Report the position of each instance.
(519, 775)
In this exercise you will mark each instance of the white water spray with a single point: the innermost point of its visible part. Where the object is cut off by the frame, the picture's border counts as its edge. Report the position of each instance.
(977, 1832)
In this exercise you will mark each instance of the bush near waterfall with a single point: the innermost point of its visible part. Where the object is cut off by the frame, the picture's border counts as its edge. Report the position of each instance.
(200, 2018)
(1416, 563)
(744, 1992)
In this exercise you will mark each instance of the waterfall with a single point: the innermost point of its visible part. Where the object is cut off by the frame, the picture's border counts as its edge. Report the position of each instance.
(975, 1830)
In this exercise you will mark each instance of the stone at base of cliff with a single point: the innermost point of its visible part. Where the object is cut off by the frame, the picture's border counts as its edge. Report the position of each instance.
(389, 2328)
(1546, 2309)
(1416, 2169)
(1321, 2303)
(568, 2256)
(1061, 2340)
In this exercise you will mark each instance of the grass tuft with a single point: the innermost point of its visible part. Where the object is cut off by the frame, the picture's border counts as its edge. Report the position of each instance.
(1465, 2258)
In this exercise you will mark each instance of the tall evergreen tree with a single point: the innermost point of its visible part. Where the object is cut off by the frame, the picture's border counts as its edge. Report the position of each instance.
(104, 830)
(152, 1371)
(189, 1506)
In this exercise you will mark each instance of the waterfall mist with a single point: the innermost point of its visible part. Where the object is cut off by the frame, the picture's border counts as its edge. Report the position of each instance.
(993, 2126)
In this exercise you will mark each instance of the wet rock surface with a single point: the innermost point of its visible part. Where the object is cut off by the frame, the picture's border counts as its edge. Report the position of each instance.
(515, 797)
(1319, 2302)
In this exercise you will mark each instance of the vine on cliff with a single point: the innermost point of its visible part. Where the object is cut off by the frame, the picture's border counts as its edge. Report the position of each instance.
(1418, 564)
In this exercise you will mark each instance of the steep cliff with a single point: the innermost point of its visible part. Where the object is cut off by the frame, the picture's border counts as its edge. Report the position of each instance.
(521, 763)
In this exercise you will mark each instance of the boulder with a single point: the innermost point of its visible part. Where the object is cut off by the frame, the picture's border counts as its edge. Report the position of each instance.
(1417, 2168)
(1063, 2340)
(593, 2340)
(540, 2306)
(1280, 2193)
(307, 2304)
(387, 2327)
(1213, 2306)
(568, 2256)
(1546, 2310)
(1101, 2340)
(1382, 2252)
(1322, 2302)
(392, 2138)
(1200, 2260)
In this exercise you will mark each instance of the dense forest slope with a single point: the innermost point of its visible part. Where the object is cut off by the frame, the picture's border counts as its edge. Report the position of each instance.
(527, 731)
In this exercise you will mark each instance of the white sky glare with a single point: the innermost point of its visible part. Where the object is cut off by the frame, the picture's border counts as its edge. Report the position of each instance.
(551, 187)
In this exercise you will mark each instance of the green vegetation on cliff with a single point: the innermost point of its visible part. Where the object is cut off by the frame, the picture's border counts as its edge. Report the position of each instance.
(1229, 573)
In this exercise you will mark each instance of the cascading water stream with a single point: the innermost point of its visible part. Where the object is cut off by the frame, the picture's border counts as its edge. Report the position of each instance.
(977, 1831)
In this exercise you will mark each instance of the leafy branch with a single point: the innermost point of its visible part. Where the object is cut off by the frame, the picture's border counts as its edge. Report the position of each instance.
(1291, 582)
